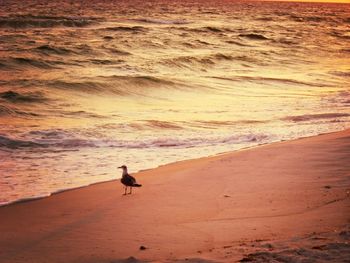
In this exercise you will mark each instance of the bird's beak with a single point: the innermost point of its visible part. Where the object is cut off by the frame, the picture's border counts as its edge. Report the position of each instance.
(120, 167)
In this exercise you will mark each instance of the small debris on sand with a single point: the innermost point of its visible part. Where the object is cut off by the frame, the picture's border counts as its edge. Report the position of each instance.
(143, 248)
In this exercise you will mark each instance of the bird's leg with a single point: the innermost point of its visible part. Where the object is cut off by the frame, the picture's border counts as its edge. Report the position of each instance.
(125, 190)
(130, 190)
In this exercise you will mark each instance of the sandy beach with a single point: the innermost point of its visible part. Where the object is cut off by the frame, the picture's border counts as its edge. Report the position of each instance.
(274, 203)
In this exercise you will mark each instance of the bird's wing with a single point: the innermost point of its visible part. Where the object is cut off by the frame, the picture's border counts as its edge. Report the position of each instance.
(132, 179)
(128, 180)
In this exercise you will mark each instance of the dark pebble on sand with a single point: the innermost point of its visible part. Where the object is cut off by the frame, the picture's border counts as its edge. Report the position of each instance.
(327, 186)
(317, 247)
(142, 248)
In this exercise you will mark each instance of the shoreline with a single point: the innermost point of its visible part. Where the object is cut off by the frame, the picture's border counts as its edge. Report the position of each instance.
(289, 199)
(30, 199)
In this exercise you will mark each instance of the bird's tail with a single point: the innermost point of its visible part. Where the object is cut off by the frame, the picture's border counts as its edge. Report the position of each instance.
(137, 185)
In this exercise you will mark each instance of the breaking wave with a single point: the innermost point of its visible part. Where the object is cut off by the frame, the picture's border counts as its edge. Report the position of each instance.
(68, 140)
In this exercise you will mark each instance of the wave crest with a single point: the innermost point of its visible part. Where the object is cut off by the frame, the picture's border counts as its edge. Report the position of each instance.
(21, 63)
(48, 49)
(44, 22)
(15, 97)
(162, 21)
(273, 80)
(15, 143)
(119, 85)
(254, 36)
(8, 111)
(310, 117)
(133, 29)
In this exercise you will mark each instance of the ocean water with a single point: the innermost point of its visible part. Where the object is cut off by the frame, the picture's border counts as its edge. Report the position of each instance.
(87, 86)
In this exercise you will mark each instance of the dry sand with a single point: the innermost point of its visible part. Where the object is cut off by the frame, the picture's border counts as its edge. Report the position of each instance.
(280, 202)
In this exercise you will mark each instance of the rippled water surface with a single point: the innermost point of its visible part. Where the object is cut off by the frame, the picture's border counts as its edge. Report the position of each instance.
(88, 86)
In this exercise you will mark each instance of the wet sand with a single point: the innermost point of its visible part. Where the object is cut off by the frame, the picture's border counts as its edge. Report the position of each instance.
(287, 201)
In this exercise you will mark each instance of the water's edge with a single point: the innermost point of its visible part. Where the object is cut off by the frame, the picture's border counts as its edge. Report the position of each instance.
(30, 199)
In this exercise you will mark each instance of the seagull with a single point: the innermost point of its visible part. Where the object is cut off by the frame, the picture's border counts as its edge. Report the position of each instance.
(128, 180)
